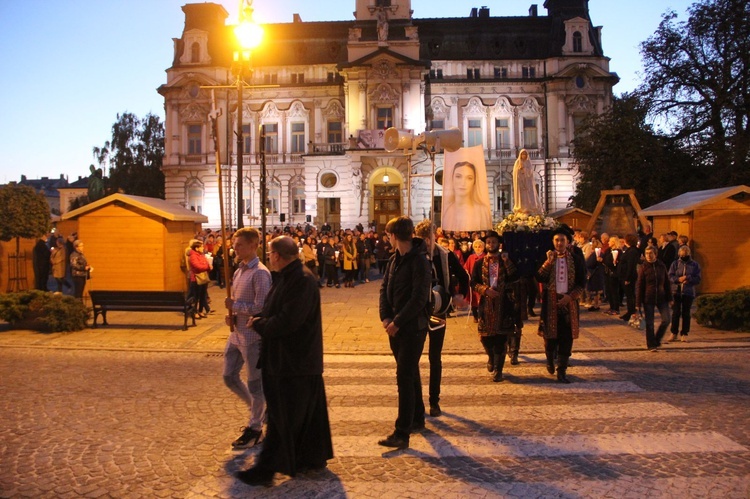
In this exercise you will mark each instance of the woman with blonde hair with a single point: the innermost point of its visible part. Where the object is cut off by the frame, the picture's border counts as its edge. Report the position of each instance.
(464, 208)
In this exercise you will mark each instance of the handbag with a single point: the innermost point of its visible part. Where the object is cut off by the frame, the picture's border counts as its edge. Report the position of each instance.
(201, 278)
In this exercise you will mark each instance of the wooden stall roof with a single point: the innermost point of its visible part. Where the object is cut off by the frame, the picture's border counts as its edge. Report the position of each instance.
(158, 207)
(685, 203)
(568, 210)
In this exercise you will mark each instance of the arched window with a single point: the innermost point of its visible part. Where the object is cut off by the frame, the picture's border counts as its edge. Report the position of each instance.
(577, 42)
(298, 199)
(194, 194)
(247, 200)
(195, 52)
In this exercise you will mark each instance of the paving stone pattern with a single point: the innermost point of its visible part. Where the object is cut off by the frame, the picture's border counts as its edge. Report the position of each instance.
(143, 412)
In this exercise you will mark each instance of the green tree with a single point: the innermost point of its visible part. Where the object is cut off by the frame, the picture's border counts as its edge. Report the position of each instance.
(25, 213)
(618, 148)
(135, 156)
(697, 82)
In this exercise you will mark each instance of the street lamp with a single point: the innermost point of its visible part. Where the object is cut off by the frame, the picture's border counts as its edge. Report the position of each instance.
(249, 35)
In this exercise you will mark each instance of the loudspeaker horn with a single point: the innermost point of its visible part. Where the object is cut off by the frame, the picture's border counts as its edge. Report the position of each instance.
(450, 139)
(397, 139)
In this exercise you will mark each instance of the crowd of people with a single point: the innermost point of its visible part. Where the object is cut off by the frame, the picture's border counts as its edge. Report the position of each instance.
(63, 260)
(645, 272)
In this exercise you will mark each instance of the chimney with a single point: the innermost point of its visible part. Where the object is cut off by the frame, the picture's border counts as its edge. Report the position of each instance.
(296, 18)
(473, 12)
(484, 11)
(533, 11)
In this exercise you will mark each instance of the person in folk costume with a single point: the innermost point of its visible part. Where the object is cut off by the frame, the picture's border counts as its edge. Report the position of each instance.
(495, 279)
(563, 276)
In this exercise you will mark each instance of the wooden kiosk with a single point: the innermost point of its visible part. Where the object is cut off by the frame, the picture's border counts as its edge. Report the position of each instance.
(134, 242)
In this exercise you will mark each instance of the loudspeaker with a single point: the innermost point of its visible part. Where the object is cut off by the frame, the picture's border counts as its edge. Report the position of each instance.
(450, 139)
(282, 217)
(397, 139)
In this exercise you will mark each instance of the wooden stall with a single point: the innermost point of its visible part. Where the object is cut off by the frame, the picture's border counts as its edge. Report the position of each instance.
(135, 243)
(717, 223)
(573, 217)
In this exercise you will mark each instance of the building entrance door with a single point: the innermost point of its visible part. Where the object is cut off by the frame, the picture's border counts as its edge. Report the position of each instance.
(329, 210)
(386, 204)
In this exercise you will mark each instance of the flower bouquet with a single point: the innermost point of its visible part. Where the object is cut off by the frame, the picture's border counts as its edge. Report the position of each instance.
(521, 222)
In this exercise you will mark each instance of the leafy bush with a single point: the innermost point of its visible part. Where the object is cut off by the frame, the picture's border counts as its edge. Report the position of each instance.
(730, 310)
(50, 312)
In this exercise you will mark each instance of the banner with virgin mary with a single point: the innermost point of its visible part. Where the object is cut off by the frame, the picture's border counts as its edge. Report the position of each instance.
(466, 195)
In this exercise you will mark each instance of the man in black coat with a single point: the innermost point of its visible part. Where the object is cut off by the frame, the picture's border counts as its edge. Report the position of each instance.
(42, 265)
(405, 314)
(628, 270)
(298, 436)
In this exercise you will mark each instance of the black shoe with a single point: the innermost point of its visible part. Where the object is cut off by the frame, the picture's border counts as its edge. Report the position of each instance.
(256, 476)
(394, 441)
(435, 411)
(550, 368)
(514, 360)
(561, 377)
(249, 438)
(625, 317)
(498, 376)
(490, 366)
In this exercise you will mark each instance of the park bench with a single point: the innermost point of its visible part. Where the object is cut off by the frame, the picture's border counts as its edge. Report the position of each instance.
(142, 301)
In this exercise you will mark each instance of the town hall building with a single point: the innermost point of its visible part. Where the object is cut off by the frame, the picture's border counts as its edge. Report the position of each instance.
(325, 92)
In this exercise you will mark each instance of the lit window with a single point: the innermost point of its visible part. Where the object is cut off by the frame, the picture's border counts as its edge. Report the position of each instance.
(385, 118)
(298, 200)
(475, 133)
(247, 139)
(194, 139)
(272, 137)
(334, 132)
(298, 137)
(529, 133)
(246, 197)
(502, 133)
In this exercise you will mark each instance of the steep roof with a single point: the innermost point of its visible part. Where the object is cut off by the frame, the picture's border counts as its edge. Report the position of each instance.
(685, 203)
(159, 207)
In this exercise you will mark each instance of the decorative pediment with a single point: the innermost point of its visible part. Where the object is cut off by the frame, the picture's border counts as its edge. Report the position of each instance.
(384, 94)
(384, 69)
(298, 111)
(439, 107)
(531, 106)
(580, 103)
(270, 112)
(474, 107)
(334, 110)
(194, 112)
(502, 106)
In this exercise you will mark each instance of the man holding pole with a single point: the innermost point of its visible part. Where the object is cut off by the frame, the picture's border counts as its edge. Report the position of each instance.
(250, 287)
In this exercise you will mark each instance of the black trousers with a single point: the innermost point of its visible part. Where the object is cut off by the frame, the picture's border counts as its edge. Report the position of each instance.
(681, 310)
(562, 346)
(435, 355)
(407, 349)
(630, 296)
(496, 347)
(332, 272)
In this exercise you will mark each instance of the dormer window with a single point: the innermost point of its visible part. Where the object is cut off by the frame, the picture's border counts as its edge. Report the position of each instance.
(195, 53)
(577, 42)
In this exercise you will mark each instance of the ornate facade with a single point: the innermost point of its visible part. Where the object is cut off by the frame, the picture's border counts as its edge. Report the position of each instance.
(323, 92)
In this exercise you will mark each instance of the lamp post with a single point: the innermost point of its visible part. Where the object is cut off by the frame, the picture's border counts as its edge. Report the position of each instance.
(249, 36)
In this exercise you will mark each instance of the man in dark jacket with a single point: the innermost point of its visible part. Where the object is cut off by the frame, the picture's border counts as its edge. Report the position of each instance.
(298, 435)
(654, 291)
(628, 269)
(405, 314)
(42, 265)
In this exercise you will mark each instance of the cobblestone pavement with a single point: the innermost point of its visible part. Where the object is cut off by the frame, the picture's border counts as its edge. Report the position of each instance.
(141, 411)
